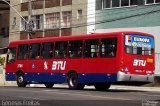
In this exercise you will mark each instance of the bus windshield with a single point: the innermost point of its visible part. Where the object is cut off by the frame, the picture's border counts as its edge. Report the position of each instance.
(139, 44)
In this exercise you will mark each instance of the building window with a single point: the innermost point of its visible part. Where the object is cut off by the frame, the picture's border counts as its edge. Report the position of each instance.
(98, 4)
(106, 3)
(134, 2)
(124, 3)
(115, 3)
(37, 22)
(24, 25)
(66, 19)
(118, 3)
(4, 31)
(66, 2)
(79, 14)
(52, 20)
(149, 1)
(157, 1)
(152, 1)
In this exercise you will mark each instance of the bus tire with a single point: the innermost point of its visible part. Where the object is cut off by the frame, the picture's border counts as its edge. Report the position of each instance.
(49, 85)
(102, 86)
(73, 82)
(20, 80)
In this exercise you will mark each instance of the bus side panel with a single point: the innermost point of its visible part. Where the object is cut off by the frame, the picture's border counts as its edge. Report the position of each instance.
(46, 77)
(102, 70)
(97, 78)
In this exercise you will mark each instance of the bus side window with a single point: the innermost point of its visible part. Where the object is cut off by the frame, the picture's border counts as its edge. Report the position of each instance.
(61, 49)
(11, 55)
(91, 48)
(47, 50)
(108, 47)
(22, 51)
(75, 49)
(34, 51)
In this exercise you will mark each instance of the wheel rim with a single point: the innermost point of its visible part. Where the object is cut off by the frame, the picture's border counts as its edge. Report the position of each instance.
(72, 81)
(20, 79)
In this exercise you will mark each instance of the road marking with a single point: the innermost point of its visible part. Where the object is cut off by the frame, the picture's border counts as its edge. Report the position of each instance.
(88, 95)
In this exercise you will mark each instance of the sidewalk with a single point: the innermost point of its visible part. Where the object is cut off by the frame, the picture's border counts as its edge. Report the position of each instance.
(138, 88)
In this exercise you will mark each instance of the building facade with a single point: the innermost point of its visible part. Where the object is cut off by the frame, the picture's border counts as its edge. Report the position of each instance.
(4, 25)
(50, 18)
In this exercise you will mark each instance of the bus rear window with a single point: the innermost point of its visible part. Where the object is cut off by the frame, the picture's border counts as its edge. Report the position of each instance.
(139, 45)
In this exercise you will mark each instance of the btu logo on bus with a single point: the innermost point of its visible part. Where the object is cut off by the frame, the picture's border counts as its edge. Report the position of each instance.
(139, 62)
(59, 65)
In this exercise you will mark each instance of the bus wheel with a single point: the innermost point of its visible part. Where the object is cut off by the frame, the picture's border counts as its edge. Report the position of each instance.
(49, 85)
(73, 82)
(20, 80)
(102, 86)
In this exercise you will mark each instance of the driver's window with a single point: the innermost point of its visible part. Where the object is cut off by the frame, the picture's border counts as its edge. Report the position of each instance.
(11, 55)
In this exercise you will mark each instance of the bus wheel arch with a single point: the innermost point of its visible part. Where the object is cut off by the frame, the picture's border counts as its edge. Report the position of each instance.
(73, 81)
(19, 71)
(20, 79)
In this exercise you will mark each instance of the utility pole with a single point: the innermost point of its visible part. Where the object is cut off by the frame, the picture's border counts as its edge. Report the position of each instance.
(43, 18)
(30, 25)
(60, 24)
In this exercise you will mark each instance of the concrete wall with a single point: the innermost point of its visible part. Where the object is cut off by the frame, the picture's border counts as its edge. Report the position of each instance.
(76, 23)
(15, 20)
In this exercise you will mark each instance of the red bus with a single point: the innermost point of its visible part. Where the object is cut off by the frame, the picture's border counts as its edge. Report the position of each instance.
(95, 59)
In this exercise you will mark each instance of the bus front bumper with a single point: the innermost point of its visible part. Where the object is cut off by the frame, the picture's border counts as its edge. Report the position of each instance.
(135, 78)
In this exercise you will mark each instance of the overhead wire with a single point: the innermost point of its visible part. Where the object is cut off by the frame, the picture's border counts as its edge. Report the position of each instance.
(111, 20)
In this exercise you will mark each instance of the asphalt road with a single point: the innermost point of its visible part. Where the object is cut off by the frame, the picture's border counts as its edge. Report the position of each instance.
(62, 96)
